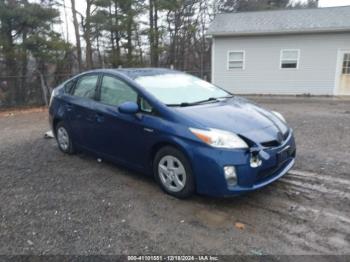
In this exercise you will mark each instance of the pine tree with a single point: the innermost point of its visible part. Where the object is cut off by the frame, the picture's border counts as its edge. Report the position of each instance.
(250, 5)
(26, 31)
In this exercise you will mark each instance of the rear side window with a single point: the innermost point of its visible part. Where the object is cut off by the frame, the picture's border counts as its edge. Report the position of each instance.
(86, 86)
(115, 92)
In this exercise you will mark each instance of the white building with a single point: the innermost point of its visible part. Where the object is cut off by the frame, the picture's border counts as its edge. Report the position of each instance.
(283, 52)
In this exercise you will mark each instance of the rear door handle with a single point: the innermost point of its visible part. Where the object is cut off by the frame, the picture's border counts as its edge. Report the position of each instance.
(90, 118)
(69, 107)
(99, 118)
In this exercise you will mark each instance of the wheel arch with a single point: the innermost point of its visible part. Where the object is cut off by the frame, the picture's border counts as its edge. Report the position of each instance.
(186, 152)
(55, 121)
(161, 144)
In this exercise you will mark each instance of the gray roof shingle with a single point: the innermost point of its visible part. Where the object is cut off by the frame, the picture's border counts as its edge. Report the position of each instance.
(282, 21)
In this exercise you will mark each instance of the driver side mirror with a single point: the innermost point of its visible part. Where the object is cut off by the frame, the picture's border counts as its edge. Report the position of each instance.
(129, 108)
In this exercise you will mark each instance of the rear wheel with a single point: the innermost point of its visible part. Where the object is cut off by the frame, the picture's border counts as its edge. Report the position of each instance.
(63, 138)
(173, 172)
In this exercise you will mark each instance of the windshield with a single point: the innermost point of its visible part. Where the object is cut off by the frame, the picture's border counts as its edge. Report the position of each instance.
(180, 89)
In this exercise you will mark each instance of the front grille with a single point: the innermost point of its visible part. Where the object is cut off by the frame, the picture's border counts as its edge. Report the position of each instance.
(285, 135)
(265, 174)
(275, 143)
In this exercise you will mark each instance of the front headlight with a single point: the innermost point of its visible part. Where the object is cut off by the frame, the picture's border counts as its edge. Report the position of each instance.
(219, 138)
(280, 116)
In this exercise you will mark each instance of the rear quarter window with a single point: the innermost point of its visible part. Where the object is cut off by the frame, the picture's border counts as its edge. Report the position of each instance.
(68, 87)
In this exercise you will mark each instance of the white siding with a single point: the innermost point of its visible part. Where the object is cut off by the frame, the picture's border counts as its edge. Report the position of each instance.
(263, 75)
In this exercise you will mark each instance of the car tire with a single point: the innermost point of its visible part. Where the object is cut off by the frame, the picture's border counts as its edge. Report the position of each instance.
(63, 138)
(173, 172)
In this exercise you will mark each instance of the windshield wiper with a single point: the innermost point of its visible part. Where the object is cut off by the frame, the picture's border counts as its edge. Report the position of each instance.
(211, 99)
(225, 97)
(185, 104)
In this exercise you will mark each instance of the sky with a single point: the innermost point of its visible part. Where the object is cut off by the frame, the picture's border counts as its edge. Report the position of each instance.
(329, 3)
(81, 6)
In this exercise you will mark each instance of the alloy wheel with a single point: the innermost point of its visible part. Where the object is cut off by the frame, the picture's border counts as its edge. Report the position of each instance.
(172, 173)
(63, 138)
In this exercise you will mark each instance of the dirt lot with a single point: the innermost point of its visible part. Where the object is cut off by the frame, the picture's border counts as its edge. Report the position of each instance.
(57, 204)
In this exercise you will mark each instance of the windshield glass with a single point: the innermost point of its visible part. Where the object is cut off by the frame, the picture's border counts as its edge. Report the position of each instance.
(177, 89)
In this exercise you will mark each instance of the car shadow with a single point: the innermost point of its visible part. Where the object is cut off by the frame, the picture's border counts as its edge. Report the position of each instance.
(149, 180)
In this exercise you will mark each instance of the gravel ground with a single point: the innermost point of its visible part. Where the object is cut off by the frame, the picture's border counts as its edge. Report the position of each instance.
(52, 203)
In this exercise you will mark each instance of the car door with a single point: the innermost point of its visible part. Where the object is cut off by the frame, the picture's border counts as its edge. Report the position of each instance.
(81, 110)
(123, 137)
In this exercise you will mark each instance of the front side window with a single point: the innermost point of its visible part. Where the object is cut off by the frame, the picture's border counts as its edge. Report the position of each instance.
(290, 59)
(86, 86)
(235, 60)
(115, 92)
(177, 89)
(346, 64)
(145, 106)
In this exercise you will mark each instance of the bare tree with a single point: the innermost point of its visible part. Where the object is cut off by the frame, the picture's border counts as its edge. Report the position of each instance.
(87, 34)
(154, 32)
(77, 35)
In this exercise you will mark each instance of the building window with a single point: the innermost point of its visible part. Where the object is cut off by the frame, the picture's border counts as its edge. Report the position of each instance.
(235, 60)
(346, 64)
(290, 59)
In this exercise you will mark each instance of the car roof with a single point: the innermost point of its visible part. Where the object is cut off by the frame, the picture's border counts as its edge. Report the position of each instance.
(134, 73)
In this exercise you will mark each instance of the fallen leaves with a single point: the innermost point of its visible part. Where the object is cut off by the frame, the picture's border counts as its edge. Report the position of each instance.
(239, 225)
(30, 242)
(25, 110)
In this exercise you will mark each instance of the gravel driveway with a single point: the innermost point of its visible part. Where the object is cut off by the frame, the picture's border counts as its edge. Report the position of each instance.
(52, 203)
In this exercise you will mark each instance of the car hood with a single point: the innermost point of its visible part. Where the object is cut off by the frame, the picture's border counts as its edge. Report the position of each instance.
(239, 116)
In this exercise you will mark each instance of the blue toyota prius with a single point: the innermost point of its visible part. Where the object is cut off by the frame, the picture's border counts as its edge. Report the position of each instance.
(191, 135)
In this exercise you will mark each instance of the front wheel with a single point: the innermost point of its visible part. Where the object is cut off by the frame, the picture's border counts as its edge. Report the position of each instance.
(63, 138)
(173, 172)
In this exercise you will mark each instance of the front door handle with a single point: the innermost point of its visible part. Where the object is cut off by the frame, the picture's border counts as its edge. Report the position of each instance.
(149, 130)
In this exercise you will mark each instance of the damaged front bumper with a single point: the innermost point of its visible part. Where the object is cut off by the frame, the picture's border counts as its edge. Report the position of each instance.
(209, 164)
